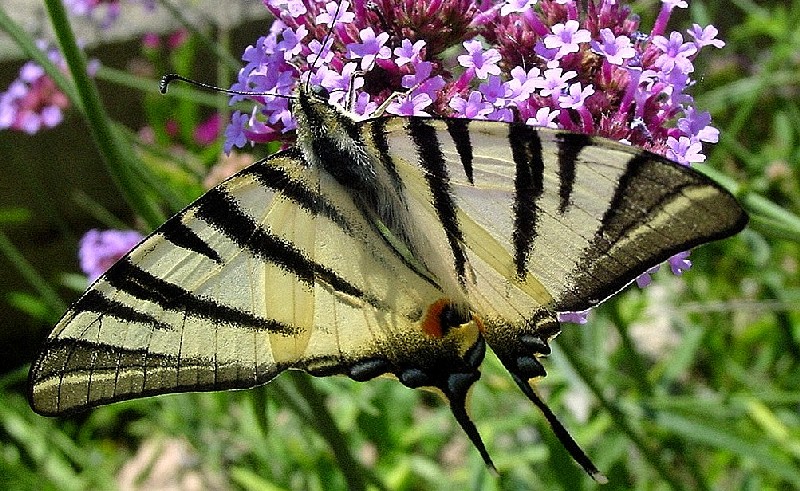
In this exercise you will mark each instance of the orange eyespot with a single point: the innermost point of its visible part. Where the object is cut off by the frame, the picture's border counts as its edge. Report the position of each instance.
(443, 315)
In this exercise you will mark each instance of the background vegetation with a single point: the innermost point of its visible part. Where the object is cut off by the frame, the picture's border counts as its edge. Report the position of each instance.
(692, 383)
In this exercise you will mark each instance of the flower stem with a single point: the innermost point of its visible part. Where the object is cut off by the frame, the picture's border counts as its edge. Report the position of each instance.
(118, 158)
(319, 417)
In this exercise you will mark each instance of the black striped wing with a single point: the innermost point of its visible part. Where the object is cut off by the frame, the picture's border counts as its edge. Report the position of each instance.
(275, 268)
(534, 221)
(396, 245)
(566, 218)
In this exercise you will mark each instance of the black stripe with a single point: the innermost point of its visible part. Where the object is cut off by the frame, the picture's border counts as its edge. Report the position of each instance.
(459, 132)
(277, 179)
(431, 159)
(129, 278)
(648, 184)
(94, 301)
(67, 356)
(377, 129)
(621, 216)
(570, 146)
(220, 210)
(175, 231)
(526, 150)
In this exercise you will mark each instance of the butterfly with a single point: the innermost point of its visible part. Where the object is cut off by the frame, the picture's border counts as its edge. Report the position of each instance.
(389, 246)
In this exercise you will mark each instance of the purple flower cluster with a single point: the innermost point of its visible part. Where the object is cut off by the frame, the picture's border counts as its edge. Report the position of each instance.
(98, 250)
(33, 101)
(538, 61)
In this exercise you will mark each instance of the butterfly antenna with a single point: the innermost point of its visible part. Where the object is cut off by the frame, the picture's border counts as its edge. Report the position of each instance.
(328, 37)
(171, 77)
(561, 432)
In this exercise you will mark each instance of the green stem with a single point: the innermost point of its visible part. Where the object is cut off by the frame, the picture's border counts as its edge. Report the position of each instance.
(629, 349)
(119, 160)
(326, 426)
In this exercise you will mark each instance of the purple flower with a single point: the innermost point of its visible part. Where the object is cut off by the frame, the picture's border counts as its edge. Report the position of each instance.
(473, 108)
(522, 84)
(512, 6)
(370, 48)
(685, 151)
(645, 278)
(102, 12)
(676, 52)
(615, 49)
(294, 8)
(573, 317)
(566, 38)
(575, 96)
(697, 125)
(410, 106)
(408, 52)
(493, 90)
(704, 36)
(234, 133)
(291, 44)
(483, 62)
(33, 101)
(679, 263)
(421, 81)
(336, 13)
(98, 250)
(316, 53)
(544, 117)
(364, 105)
(555, 80)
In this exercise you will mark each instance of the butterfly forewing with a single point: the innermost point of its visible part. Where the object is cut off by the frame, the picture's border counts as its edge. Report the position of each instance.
(206, 303)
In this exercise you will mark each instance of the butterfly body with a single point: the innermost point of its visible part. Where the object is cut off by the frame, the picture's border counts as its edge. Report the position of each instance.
(397, 246)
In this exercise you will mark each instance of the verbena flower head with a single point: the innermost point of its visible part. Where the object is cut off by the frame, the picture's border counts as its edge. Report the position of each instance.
(544, 62)
(523, 60)
(33, 101)
(98, 250)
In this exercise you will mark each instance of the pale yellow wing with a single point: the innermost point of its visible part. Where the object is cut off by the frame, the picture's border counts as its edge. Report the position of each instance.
(275, 268)
(563, 218)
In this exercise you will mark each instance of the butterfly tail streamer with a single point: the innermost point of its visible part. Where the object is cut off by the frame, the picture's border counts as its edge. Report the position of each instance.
(457, 389)
(560, 431)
